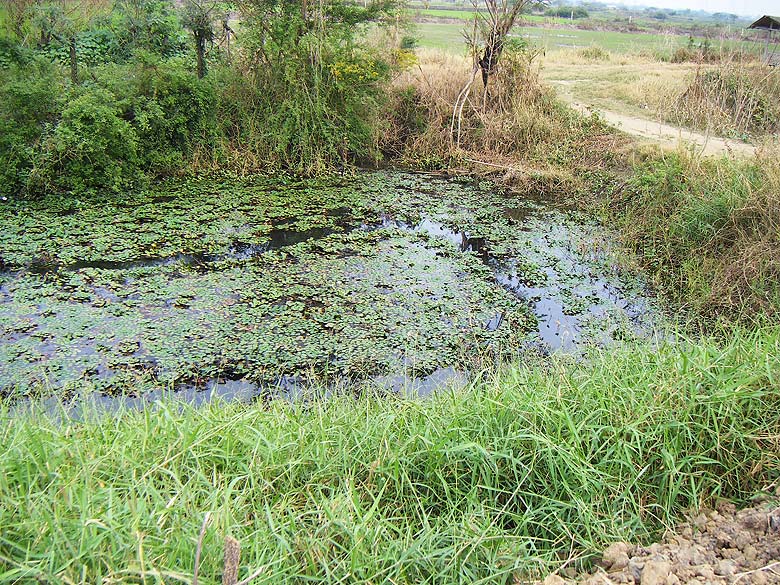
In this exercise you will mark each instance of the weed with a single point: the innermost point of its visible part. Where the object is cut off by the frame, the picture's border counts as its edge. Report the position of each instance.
(709, 230)
(735, 98)
(594, 53)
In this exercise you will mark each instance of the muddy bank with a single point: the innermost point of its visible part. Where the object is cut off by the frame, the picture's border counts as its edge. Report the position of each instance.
(722, 546)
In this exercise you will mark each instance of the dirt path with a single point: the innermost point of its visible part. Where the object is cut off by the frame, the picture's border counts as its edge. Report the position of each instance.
(671, 135)
(599, 89)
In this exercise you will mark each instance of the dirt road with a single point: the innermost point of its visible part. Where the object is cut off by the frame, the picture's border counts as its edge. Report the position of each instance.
(671, 136)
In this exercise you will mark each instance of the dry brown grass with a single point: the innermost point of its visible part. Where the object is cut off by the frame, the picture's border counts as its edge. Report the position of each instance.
(750, 273)
(632, 84)
(518, 131)
(708, 230)
(731, 98)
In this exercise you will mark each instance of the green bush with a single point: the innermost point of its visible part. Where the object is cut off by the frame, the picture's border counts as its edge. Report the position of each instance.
(30, 100)
(315, 88)
(709, 231)
(144, 117)
(92, 147)
(567, 12)
(306, 97)
(149, 25)
(93, 47)
(317, 116)
(171, 110)
(409, 42)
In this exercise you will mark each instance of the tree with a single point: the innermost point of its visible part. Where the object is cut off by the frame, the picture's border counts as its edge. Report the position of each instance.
(151, 25)
(486, 40)
(492, 30)
(319, 86)
(19, 12)
(62, 20)
(199, 17)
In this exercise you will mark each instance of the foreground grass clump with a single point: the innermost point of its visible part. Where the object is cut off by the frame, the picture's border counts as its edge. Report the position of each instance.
(708, 230)
(501, 480)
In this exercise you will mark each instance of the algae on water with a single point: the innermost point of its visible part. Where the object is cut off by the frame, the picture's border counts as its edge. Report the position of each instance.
(257, 278)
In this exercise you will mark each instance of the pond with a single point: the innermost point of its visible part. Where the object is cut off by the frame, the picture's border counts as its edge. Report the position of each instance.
(240, 284)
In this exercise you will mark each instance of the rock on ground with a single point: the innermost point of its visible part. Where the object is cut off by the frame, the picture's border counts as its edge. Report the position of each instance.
(721, 546)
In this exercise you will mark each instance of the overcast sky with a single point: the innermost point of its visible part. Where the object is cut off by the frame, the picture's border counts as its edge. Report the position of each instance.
(745, 7)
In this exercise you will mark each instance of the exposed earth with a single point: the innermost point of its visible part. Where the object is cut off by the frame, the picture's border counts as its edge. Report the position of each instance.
(629, 94)
(721, 546)
(672, 136)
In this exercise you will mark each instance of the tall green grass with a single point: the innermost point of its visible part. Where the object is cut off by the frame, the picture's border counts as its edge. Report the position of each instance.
(708, 230)
(509, 477)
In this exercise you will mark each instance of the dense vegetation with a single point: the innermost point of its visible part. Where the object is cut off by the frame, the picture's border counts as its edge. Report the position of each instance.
(567, 12)
(736, 98)
(106, 98)
(709, 231)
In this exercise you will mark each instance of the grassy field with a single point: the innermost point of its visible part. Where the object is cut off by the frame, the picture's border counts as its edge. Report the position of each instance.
(686, 22)
(449, 36)
(501, 481)
(467, 15)
(628, 84)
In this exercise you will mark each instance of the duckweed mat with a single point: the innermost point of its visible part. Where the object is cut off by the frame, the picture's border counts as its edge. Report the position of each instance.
(258, 279)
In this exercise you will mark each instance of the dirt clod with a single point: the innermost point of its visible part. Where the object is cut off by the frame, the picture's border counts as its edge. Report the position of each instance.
(655, 573)
(615, 557)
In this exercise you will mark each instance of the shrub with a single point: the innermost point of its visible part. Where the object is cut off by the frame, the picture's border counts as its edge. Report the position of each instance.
(594, 54)
(92, 147)
(316, 116)
(409, 42)
(30, 99)
(567, 12)
(148, 25)
(313, 92)
(709, 231)
(93, 47)
(734, 99)
(172, 111)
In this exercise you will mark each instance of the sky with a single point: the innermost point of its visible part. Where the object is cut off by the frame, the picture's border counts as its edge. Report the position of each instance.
(743, 7)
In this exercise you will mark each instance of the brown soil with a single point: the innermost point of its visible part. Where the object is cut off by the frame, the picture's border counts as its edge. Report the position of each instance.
(722, 546)
(671, 136)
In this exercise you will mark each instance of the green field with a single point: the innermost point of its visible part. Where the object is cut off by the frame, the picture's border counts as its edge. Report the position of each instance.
(639, 19)
(449, 36)
(465, 14)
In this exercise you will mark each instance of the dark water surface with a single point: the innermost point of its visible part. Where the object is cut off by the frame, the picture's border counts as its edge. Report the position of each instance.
(240, 287)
